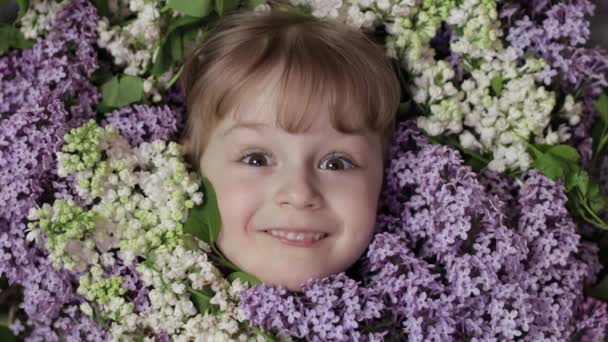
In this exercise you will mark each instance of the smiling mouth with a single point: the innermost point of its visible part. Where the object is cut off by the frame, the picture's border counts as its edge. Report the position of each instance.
(299, 239)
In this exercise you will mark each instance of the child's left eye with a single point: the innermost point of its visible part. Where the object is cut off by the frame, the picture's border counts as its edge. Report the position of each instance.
(337, 163)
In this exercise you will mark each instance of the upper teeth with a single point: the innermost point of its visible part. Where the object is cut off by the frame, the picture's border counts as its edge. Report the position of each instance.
(297, 236)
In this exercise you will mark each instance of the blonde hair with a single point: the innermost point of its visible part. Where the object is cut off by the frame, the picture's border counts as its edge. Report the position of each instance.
(322, 66)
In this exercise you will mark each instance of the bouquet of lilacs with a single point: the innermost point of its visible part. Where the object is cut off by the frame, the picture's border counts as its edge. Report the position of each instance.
(491, 215)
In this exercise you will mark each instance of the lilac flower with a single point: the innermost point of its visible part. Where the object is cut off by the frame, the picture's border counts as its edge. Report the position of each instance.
(330, 309)
(456, 266)
(139, 123)
(45, 92)
(557, 33)
(25, 74)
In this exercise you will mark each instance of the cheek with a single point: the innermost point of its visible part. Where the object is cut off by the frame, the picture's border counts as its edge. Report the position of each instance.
(237, 202)
(357, 205)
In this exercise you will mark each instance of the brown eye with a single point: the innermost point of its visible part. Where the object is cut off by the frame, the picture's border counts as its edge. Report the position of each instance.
(256, 159)
(335, 163)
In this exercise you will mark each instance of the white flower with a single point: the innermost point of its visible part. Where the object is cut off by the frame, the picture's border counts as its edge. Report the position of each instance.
(468, 140)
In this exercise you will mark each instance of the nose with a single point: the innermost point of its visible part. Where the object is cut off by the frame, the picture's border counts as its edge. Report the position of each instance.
(298, 189)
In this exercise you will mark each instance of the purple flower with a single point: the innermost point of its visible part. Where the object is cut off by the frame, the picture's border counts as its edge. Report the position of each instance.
(142, 123)
(329, 309)
(45, 93)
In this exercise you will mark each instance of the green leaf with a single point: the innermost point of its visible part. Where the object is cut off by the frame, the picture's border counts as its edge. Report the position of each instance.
(267, 336)
(122, 90)
(254, 3)
(181, 22)
(577, 179)
(565, 152)
(103, 8)
(600, 290)
(601, 105)
(597, 134)
(178, 34)
(194, 8)
(204, 221)
(190, 36)
(549, 166)
(211, 211)
(598, 202)
(162, 61)
(224, 6)
(6, 335)
(132, 89)
(23, 7)
(177, 48)
(496, 83)
(201, 300)
(246, 277)
(11, 37)
(110, 92)
(196, 225)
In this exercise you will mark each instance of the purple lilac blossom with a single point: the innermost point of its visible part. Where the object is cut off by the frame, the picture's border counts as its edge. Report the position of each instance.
(139, 123)
(329, 309)
(558, 34)
(45, 93)
(464, 268)
(456, 259)
(26, 74)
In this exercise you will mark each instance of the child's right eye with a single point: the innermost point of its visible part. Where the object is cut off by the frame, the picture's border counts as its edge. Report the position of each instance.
(256, 159)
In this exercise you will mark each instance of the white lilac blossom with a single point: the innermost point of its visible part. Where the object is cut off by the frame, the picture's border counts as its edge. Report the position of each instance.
(38, 18)
(175, 278)
(129, 44)
(144, 192)
(141, 196)
(500, 107)
(352, 12)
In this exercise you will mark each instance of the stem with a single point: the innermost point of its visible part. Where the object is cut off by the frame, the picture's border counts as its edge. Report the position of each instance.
(174, 78)
(600, 147)
(598, 220)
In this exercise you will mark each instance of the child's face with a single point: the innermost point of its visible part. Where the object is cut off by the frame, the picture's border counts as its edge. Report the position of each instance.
(272, 185)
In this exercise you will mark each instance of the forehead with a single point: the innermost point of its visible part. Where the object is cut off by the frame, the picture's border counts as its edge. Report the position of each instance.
(278, 103)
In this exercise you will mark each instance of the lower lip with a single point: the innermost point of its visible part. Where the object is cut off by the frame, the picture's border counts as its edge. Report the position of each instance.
(296, 243)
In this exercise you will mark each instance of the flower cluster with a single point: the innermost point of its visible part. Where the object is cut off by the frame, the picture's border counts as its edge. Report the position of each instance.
(38, 106)
(181, 278)
(139, 198)
(39, 18)
(139, 123)
(130, 44)
(329, 309)
(558, 33)
(455, 266)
